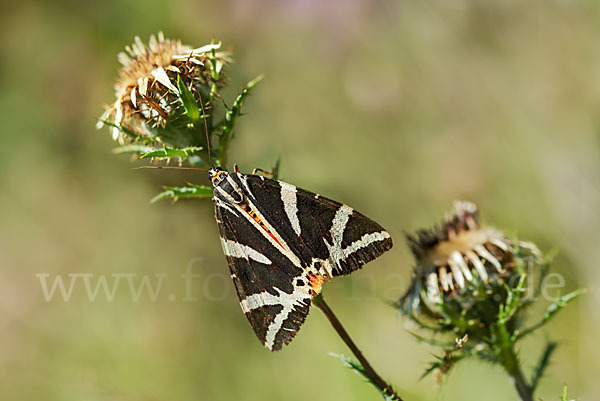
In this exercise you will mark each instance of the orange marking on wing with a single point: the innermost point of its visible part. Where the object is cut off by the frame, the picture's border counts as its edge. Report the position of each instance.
(316, 282)
(255, 217)
(272, 236)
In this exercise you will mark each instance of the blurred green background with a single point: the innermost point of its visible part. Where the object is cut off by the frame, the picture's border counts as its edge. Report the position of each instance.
(395, 107)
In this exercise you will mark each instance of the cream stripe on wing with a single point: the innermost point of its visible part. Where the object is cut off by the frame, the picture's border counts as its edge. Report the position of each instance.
(244, 182)
(337, 233)
(284, 247)
(225, 206)
(255, 301)
(237, 250)
(288, 301)
(364, 242)
(276, 325)
(290, 204)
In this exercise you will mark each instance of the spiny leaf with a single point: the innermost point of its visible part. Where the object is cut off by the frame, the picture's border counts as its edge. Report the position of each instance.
(133, 149)
(358, 369)
(227, 125)
(443, 364)
(232, 114)
(452, 318)
(542, 364)
(451, 356)
(561, 302)
(552, 310)
(135, 137)
(514, 299)
(169, 153)
(433, 366)
(352, 364)
(215, 70)
(188, 100)
(190, 191)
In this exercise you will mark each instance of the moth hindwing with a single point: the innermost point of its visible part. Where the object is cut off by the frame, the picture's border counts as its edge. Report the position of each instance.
(282, 243)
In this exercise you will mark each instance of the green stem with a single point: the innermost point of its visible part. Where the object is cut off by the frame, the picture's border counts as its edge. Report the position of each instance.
(511, 364)
(384, 387)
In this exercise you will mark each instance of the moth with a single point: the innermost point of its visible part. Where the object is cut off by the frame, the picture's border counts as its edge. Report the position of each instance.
(282, 244)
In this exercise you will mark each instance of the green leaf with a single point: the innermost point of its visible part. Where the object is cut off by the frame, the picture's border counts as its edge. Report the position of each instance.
(215, 70)
(514, 299)
(188, 100)
(227, 125)
(433, 366)
(452, 354)
(564, 394)
(444, 363)
(358, 369)
(452, 318)
(135, 137)
(133, 149)
(542, 364)
(552, 310)
(561, 302)
(190, 191)
(169, 153)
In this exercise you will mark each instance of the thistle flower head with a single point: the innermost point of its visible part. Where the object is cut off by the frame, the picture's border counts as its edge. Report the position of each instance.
(149, 105)
(472, 282)
(461, 266)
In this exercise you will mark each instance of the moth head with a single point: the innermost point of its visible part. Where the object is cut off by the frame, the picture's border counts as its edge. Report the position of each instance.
(217, 175)
(227, 188)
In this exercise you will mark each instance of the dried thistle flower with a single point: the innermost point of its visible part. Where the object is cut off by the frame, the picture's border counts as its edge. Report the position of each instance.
(169, 106)
(470, 280)
(149, 104)
(462, 261)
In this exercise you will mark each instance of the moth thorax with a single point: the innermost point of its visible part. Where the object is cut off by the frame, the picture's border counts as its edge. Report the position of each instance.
(234, 192)
(223, 183)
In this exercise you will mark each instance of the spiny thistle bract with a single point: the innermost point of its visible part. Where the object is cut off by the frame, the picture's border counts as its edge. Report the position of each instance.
(470, 282)
(169, 106)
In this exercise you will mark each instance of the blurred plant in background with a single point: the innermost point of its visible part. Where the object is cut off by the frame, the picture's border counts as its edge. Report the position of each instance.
(472, 282)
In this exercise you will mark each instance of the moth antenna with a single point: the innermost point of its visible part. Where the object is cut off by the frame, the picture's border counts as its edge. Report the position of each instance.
(170, 168)
(206, 133)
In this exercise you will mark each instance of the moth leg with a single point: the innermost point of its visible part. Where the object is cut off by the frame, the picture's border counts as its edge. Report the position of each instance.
(236, 169)
(268, 174)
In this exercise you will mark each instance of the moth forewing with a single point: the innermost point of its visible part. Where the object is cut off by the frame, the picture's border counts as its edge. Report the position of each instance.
(282, 243)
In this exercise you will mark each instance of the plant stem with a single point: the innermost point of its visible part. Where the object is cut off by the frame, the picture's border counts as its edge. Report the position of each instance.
(511, 364)
(384, 387)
